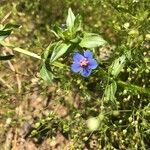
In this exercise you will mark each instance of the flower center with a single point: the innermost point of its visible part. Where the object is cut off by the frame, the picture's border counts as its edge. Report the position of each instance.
(84, 62)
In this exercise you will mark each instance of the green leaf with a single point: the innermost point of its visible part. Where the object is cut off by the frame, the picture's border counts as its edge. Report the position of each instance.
(113, 87)
(8, 57)
(68, 35)
(107, 93)
(92, 40)
(10, 26)
(45, 74)
(48, 50)
(117, 66)
(110, 92)
(77, 24)
(58, 32)
(59, 49)
(1, 27)
(75, 40)
(4, 34)
(58, 64)
(70, 19)
(6, 30)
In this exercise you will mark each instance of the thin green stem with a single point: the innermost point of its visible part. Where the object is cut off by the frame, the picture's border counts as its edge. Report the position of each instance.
(20, 50)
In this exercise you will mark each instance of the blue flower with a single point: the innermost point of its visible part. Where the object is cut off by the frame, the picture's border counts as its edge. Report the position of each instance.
(84, 63)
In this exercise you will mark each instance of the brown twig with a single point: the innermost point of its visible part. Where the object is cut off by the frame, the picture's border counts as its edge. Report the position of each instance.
(14, 144)
(12, 67)
(6, 84)
(6, 16)
(9, 139)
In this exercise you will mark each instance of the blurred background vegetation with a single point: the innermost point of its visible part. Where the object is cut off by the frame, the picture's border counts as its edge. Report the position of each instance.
(123, 23)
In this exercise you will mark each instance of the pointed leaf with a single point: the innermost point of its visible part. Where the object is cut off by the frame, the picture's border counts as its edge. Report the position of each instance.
(59, 50)
(10, 26)
(117, 66)
(8, 57)
(110, 92)
(113, 86)
(48, 50)
(70, 18)
(92, 40)
(4, 34)
(77, 23)
(58, 32)
(45, 74)
(6, 30)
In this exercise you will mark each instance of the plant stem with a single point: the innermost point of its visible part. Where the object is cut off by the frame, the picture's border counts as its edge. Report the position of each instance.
(20, 50)
(17, 49)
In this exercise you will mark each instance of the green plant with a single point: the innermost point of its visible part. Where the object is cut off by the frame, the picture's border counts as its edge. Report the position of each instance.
(116, 95)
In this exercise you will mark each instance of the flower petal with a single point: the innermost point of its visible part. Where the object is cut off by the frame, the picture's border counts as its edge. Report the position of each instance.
(75, 67)
(85, 72)
(88, 54)
(77, 57)
(92, 63)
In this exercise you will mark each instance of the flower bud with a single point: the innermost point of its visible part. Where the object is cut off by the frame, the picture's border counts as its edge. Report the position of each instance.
(93, 123)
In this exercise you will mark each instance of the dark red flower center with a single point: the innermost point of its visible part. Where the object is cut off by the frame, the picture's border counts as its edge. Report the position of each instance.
(84, 62)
